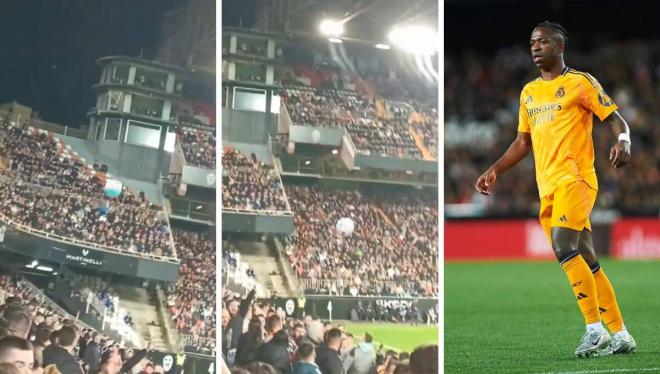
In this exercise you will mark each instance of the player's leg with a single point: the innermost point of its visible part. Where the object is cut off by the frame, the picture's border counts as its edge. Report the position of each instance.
(570, 216)
(565, 244)
(622, 341)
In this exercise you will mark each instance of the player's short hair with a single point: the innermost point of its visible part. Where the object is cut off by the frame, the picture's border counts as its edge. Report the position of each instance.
(561, 30)
(305, 351)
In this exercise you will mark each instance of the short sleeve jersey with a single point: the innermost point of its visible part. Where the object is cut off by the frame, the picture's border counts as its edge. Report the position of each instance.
(559, 116)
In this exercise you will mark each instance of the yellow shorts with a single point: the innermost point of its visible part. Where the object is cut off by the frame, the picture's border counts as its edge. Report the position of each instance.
(568, 206)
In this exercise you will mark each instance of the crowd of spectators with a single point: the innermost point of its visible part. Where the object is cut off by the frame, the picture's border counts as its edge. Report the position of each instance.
(198, 146)
(258, 337)
(392, 251)
(481, 114)
(355, 113)
(370, 311)
(45, 187)
(248, 183)
(35, 338)
(191, 301)
(61, 212)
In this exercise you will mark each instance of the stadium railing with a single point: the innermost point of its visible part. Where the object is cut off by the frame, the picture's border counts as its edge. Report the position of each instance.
(265, 212)
(326, 284)
(81, 243)
(188, 340)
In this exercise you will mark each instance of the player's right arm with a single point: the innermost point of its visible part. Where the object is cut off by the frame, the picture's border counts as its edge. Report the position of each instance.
(516, 152)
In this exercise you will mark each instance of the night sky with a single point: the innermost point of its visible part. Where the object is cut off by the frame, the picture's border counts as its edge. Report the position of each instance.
(48, 49)
(507, 22)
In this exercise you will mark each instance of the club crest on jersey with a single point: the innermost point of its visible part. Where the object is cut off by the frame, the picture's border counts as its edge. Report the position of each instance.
(560, 92)
(529, 99)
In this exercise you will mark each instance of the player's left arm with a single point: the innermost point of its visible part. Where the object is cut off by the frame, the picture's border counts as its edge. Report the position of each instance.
(620, 152)
(599, 103)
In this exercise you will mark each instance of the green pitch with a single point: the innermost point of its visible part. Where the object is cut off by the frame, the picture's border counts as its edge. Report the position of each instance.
(522, 318)
(398, 337)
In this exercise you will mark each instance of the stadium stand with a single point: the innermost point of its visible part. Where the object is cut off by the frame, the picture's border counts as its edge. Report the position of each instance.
(355, 113)
(191, 301)
(393, 250)
(198, 146)
(287, 345)
(249, 184)
(44, 187)
(27, 317)
(481, 114)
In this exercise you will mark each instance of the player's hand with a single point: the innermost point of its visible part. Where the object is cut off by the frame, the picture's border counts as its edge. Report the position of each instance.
(620, 154)
(486, 181)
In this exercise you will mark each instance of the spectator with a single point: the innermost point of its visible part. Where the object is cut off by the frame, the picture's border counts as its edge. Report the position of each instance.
(17, 351)
(424, 359)
(92, 353)
(306, 358)
(327, 356)
(362, 359)
(249, 343)
(275, 352)
(238, 314)
(61, 354)
(41, 342)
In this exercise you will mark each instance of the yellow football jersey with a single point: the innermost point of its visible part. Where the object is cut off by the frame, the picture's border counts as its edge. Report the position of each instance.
(558, 114)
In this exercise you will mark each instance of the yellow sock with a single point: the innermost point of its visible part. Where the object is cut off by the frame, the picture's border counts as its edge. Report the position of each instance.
(584, 286)
(608, 306)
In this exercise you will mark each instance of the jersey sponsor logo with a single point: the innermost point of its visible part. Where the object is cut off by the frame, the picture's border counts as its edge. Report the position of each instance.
(531, 112)
(563, 218)
(560, 92)
(529, 99)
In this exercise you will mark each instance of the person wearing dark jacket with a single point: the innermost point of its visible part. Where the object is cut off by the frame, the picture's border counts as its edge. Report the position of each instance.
(249, 343)
(92, 354)
(238, 314)
(275, 352)
(327, 355)
(60, 354)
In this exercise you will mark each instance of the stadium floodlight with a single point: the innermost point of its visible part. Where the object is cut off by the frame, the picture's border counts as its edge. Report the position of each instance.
(32, 264)
(307, 162)
(335, 40)
(382, 46)
(417, 40)
(331, 27)
(45, 268)
(334, 151)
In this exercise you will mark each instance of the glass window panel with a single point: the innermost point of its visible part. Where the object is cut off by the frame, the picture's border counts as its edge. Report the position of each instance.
(141, 133)
(249, 99)
(112, 129)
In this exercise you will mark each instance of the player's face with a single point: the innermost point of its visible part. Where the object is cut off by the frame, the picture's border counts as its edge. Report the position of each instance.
(546, 47)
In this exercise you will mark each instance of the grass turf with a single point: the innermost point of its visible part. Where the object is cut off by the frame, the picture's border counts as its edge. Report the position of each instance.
(523, 318)
(399, 337)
